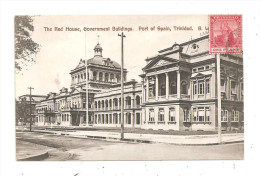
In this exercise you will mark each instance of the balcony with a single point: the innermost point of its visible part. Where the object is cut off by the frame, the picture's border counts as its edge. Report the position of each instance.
(104, 82)
(171, 97)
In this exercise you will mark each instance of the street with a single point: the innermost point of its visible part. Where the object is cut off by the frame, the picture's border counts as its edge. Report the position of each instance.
(62, 148)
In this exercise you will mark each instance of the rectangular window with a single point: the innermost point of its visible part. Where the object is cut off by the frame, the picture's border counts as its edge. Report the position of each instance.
(201, 115)
(194, 88)
(201, 88)
(172, 115)
(237, 116)
(233, 87)
(222, 84)
(151, 115)
(186, 115)
(195, 115)
(161, 115)
(201, 69)
(207, 86)
(233, 116)
(207, 119)
(226, 115)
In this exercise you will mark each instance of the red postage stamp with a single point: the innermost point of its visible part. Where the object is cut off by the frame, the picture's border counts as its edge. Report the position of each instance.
(225, 33)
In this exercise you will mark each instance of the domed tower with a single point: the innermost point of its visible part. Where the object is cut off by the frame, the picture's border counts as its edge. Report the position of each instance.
(98, 50)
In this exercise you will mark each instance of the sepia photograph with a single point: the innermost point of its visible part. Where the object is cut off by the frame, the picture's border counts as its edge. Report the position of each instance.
(129, 87)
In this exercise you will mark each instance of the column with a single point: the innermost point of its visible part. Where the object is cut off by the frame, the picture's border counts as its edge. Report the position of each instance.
(167, 85)
(142, 83)
(178, 84)
(205, 91)
(90, 75)
(147, 88)
(125, 100)
(97, 76)
(157, 87)
(191, 89)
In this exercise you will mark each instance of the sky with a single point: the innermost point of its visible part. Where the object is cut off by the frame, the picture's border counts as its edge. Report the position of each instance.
(61, 51)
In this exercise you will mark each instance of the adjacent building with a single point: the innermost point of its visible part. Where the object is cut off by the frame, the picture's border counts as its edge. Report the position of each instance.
(24, 106)
(178, 91)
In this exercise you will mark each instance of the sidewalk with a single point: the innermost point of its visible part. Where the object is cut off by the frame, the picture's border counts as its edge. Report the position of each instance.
(153, 138)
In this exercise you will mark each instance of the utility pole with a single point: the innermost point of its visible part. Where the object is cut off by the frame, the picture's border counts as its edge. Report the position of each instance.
(219, 98)
(86, 83)
(30, 107)
(122, 84)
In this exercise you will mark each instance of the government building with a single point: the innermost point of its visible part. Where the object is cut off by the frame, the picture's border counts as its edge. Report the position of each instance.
(178, 91)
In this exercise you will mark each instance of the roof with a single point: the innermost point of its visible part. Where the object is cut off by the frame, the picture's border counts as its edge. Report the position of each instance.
(35, 98)
(98, 47)
(99, 60)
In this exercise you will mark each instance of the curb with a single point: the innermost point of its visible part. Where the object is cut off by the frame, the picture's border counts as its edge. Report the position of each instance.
(36, 157)
(135, 140)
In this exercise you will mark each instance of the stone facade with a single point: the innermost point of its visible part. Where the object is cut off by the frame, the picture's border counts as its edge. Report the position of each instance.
(178, 91)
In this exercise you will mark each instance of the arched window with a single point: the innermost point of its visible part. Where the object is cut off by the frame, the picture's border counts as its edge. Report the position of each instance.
(128, 102)
(99, 105)
(106, 77)
(138, 101)
(103, 104)
(117, 78)
(100, 76)
(173, 88)
(106, 104)
(184, 87)
(94, 75)
(110, 103)
(112, 77)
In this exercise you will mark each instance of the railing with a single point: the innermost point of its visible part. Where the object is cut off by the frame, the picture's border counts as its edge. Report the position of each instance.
(172, 96)
(163, 97)
(49, 111)
(101, 81)
(138, 106)
(185, 96)
(128, 106)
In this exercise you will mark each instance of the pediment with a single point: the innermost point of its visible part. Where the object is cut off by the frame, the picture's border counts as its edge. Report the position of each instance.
(81, 63)
(162, 63)
(159, 62)
(74, 91)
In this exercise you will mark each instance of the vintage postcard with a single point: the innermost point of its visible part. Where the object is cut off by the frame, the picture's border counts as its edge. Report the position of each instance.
(129, 87)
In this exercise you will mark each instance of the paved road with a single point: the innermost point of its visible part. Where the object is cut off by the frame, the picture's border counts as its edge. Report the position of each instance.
(68, 148)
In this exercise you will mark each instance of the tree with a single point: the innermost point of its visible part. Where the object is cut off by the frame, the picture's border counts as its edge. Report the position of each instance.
(22, 111)
(25, 47)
